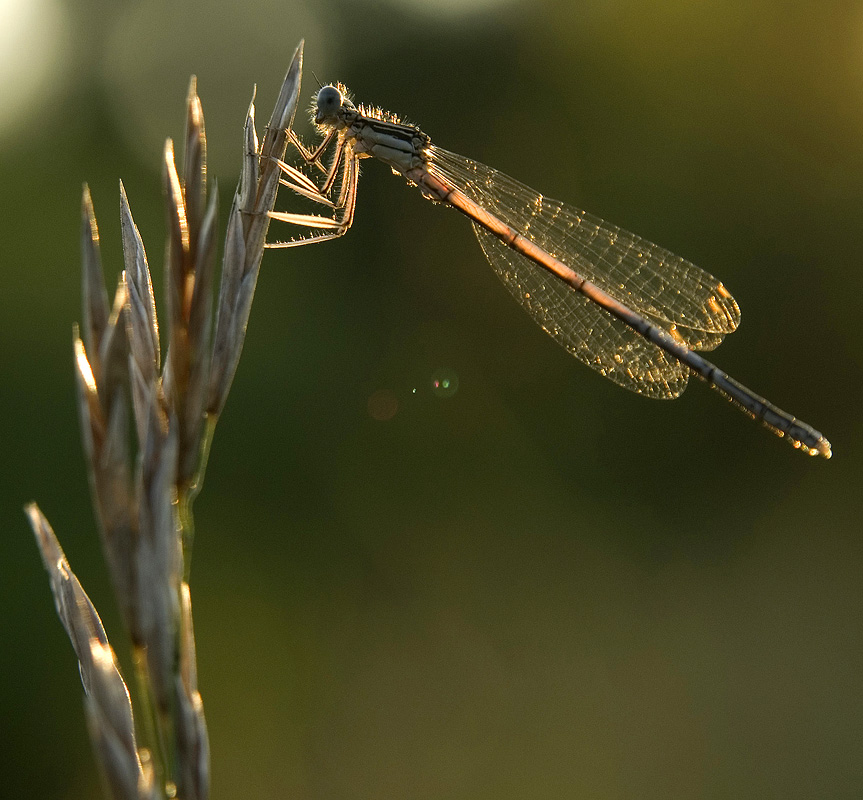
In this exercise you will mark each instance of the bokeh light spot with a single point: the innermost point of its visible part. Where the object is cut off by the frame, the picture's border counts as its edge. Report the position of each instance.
(33, 39)
(444, 382)
(454, 9)
(383, 405)
(156, 45)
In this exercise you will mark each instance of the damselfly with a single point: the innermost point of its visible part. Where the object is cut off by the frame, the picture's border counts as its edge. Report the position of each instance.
(632, 311)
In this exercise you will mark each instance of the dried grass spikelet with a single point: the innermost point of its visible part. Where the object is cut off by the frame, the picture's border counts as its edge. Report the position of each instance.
(145, 467)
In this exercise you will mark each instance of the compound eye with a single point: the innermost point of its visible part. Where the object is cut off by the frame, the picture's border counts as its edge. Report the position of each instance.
(329, 102)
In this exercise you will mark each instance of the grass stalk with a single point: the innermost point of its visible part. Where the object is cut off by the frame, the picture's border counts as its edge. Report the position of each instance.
(143, 485)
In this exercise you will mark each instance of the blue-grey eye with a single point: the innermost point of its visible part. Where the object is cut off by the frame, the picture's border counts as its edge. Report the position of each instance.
(329, 102)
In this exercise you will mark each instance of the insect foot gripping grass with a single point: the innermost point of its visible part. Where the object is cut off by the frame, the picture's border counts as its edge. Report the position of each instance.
(157, 747)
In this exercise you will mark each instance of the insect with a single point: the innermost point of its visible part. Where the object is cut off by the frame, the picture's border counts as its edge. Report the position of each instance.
(629, 309)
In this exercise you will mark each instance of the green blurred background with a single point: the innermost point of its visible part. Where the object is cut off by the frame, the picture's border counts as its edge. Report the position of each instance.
(539, 586)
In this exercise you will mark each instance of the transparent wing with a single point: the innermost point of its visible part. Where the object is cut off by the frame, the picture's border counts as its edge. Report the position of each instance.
(585, 329)
(669, 291)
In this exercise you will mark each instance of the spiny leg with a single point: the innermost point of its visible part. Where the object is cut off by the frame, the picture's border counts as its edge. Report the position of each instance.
(314, 158)
(311, 156)
(330, 227)
(302, 185)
